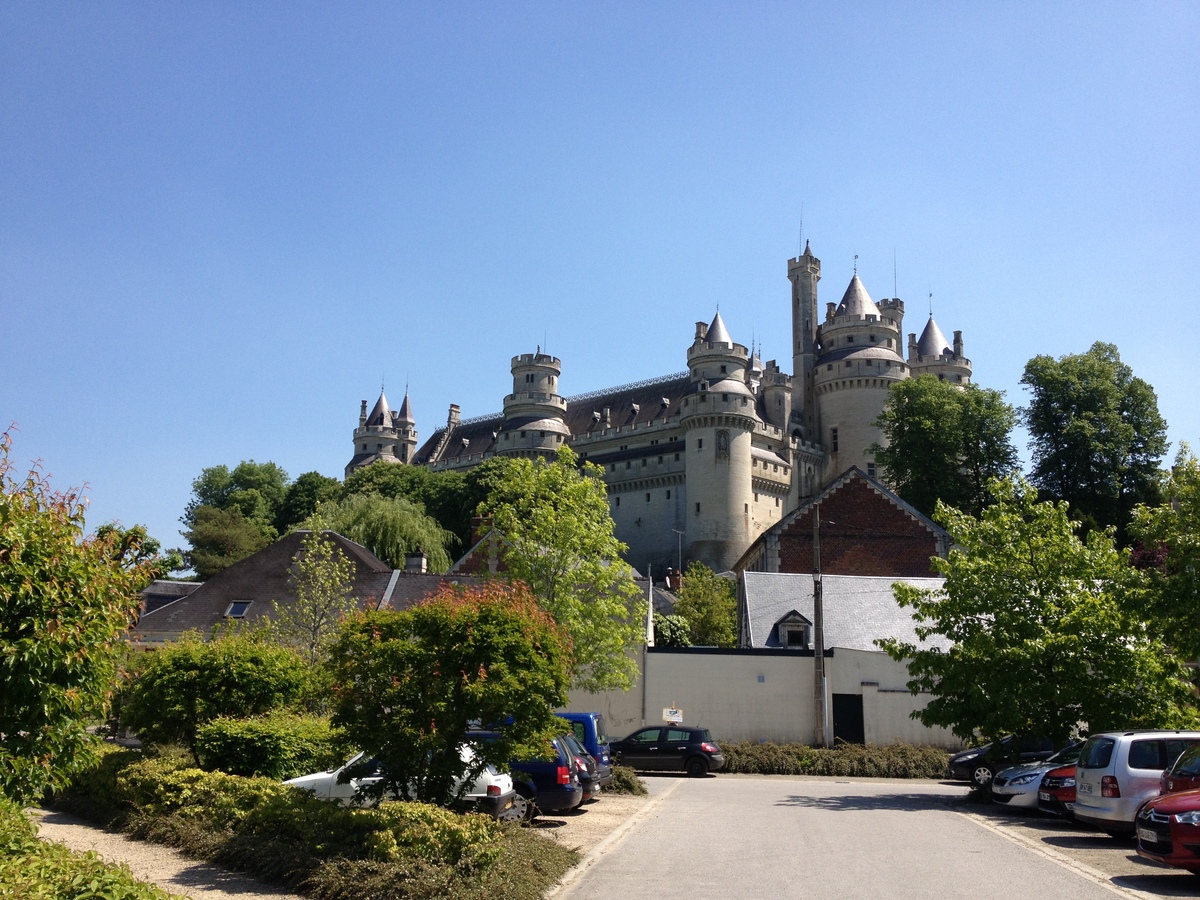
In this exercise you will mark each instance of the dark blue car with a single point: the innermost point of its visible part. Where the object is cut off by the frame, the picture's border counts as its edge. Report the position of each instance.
(547, 785)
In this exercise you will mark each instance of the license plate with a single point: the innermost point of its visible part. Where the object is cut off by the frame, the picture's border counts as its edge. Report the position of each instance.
(1147, 836)
(1083, 788)
(1045, 795)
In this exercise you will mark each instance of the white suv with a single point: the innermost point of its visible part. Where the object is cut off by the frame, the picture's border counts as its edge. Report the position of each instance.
(1119, 770)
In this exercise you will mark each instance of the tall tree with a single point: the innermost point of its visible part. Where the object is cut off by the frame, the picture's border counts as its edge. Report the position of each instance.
(65, 602)
(322, 582)
(302, 498)
(944, 442)
(707, 603)
(221, 537)
(1170, 535)
(409, 684)
(444, 495)
(1045, 634)
(390, 528)
(558, 539)
(1096, 436)
(232, 514)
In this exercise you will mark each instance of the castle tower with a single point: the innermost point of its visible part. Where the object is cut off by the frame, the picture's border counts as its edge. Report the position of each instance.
(718, 417)
(804, 272)
(534, 413)
(932, 354)
(383, 434)
(859, 360)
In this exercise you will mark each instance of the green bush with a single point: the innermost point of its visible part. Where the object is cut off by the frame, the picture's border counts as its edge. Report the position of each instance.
(845, 760)
(626, 781)
(92, 791)
(35, 870)
(277, 745)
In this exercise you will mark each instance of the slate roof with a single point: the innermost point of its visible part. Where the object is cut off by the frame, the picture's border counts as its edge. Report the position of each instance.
(933, 342)
(717, 332)
(856, 301)
(160, 592)
(381, 414)
(857, 609)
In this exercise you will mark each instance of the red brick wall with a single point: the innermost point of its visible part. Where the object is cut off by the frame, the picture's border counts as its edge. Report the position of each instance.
(862, 533)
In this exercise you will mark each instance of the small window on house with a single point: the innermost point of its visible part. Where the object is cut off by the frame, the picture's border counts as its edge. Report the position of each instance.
(794, 635)
(237, 609)
(833, 440)
(871, 469)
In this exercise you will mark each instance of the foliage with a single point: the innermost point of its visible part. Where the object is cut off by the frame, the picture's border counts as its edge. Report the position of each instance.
(35, 870)
(844, 760)
(1096, 436)
(390, 528)
(191, 682)
(1045, 640)
(66, 601)
(944, 442)
(302, 498)
(399, 850)
(133, 546)
(221, 537)
(707, 603)
(409, 683)
(277, 745)
(626, 781)
(1172, 531)
(558, 537)
(322, 582)
(445, 496)
(671, 631)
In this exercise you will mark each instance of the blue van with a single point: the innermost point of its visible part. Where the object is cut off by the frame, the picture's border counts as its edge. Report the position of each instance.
(589, 730)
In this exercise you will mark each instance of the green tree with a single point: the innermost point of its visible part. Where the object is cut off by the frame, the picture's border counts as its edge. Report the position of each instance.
(944, 442)
(65, 602)
(135, 546)
(390, 528)
(1170, 534)
(192, 681)
(409, 684)
(671, 631)
(1044, 640)
(707, 603)
(1096, 436)
(221, 537)
(558, 539)
(302, 498)
(322, 581)
(444, 495)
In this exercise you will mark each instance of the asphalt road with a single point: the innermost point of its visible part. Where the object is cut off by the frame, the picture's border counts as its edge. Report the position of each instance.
(754, 837)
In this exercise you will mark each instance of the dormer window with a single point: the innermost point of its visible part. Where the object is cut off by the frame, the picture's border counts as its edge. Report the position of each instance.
(237, 609)
(794, 631)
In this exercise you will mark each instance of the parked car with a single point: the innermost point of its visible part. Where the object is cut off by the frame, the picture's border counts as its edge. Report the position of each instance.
(1168, 830)
(1118, 771)
(544, 785)
(589, 729)
(1183, 774)
(587, 769)
(979, 765)
(1017, 787)
(492, 792)
(1056, 794)
(670, 748)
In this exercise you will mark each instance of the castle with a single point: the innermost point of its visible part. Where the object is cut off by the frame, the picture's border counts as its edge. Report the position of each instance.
(700, 463)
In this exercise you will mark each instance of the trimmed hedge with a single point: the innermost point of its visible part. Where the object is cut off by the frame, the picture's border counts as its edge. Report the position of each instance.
(278, 745)
(35, 870)
(845, 760)
(399, 850)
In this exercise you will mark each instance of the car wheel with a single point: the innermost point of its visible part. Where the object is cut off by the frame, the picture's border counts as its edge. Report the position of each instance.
(982, 775)
(697, 767)
(525, 809)
(518, 813)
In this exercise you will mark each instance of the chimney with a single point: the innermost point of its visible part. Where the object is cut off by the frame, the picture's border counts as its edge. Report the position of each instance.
(958, 345)
(415, 563)
(362, 414)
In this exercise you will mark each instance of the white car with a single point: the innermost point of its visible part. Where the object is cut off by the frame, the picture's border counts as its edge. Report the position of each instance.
(1017, 787)
(492, 791)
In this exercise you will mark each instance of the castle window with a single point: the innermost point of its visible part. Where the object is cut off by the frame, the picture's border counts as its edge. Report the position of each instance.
(364, 449)
(616, 501)
(776, 502)
(541, 434)
(724, 398)
(676, 457)
(847, 364)
(378, 447)
(870, 362)
(647, 497)
(628, 464)
(756, 496)
(704, 398)
(668, 495)
(829, 368)
(889, 342)
(522, 434)
(722, 370)
(643, 461)
(833, 440)
(874, 339)
(660, 460)
(699, 443)
(697, 509)
(850, 339)
(745, 508)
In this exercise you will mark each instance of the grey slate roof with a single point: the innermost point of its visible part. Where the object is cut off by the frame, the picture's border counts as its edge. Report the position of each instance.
(857, 609)
(856, 301)
(381, 414)
(933, 342)
(717, 332)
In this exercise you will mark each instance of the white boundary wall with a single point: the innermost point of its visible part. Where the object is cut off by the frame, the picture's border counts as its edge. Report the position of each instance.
(756, 695)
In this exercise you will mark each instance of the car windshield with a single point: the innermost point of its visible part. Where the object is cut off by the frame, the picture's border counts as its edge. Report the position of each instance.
(1189, 763)
(1067, 754)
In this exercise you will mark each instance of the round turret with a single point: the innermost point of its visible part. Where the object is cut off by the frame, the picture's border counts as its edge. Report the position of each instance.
(932, 354)
(534, 413)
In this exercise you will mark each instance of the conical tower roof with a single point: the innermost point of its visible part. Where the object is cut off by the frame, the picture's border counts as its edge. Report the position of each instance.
(405, 414)
(381, 414)
(717, 332)
(933, 342)
(856, 301)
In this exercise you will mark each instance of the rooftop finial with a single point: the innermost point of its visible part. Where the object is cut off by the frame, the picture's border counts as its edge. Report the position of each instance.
(931, 301)
(855, 263)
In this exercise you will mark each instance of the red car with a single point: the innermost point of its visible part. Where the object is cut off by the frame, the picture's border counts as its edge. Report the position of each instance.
(1056, 794)
(1168, 830)
(1184, 773)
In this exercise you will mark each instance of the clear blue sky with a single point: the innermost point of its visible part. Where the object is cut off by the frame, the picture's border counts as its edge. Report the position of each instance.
(223, 224)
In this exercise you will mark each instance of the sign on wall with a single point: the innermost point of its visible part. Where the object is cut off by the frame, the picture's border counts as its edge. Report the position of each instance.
(673, 716)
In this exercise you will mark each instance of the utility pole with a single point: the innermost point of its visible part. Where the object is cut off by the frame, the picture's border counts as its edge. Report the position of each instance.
(679, 537)
(819, 635)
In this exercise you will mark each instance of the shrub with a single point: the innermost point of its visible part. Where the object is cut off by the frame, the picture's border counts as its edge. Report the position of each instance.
(845, 760)
(92, 791)
(277, 745)
(626, 781)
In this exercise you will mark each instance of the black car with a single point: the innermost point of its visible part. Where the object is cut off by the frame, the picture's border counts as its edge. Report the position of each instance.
(666, 748)
(979, 765)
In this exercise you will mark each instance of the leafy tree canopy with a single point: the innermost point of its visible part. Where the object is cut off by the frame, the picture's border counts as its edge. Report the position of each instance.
(255, 489)
(65, 602)
(302, 498)
(1172, 531)
(410, 683)
(190, 682)
(707, 604)
(1096, 436)
(671, 631)
(221, 537)
(945, 443)
(444, 495)
(1045, 640)
(558, 539)
(390, 528)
